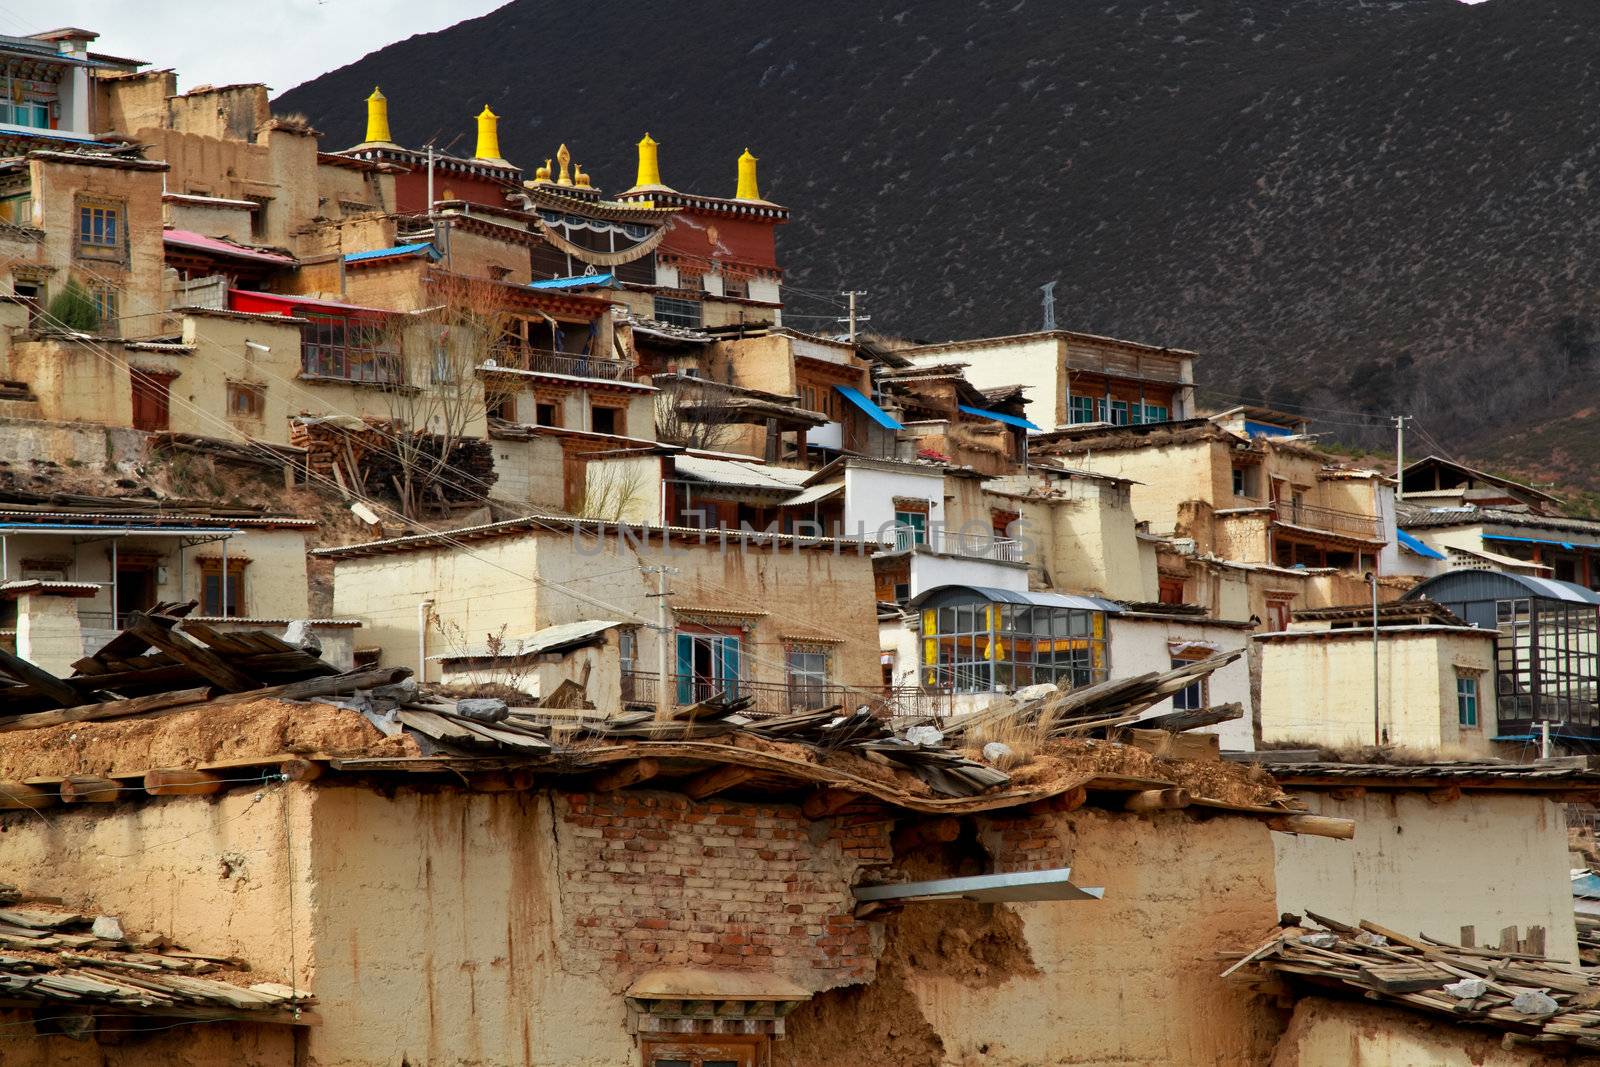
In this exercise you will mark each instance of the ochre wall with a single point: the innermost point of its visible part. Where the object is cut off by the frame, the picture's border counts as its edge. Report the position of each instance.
(1328, 1032)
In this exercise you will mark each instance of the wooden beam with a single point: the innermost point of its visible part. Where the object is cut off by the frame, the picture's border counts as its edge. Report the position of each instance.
(301, 770)
(1444, 795)
(204, 662)
(641, 770)
(1157, 800)
(1314, 826)
(16, 796)
(44, 683)
(1071, 800)
(1178, 721)
(89, 789)
(826, 802)
(716, 780)
(935, 831)
(110, 709)
(181, 782)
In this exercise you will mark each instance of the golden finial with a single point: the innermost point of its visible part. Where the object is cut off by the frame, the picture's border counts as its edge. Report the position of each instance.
(747, 178)
(542, 174)
(488, 135)
(581, 176)
(564, 157)
(378, 117)
(649, 163)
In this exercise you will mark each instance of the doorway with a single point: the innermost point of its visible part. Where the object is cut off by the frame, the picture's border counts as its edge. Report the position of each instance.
(136, 587)
(152, 402)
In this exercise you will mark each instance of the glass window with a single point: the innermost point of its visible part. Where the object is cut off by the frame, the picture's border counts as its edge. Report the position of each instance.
(980, 648)
(913, 528)
(1085, 409)
(1238, 481)
(1119, 413)
(1193, 696)
(1467, 699)
(677, 312)
(354, 350)
(98, 226)
(807, 671)
(1155, 413)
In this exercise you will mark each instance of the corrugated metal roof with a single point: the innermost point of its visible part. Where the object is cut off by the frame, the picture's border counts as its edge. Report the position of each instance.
(1000, 416)
(814, 493)
(997, 595)
(419, 247)
(746, 475)
(217, 246)
(865, 403)
(1469, 586)
(550, 639)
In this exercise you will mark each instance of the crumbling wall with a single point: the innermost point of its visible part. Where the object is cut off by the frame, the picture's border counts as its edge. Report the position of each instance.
(1128, 979)
(1326, 1032)
(167, 1042)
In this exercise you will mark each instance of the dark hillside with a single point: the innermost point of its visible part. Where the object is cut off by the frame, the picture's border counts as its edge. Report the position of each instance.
(1354, 207)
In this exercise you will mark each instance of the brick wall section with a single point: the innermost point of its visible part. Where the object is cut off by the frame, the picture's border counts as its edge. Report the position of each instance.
(656, 880)
(1027, 843)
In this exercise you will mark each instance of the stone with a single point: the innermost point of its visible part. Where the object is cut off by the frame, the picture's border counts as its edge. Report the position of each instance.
(996, 751)
(108, 928)
(1533, 1002)
(482, 709)
(1319, 940)
(1467, 988)
(299, 634)
(1034, 692)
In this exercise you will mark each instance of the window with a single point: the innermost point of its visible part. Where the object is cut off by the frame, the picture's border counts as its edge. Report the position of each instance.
(608, 420)
(99, 226)
(546, 413)
(677, 312)
(912, 529)
(212, 588)
(1191, 697)
(17, 210)
(709, 665)
(1278, 613)
(105, 307)
(1119, 413)
(1170, 590)
(1085, 409)
(351, 349)
(1238, 481)
(980, 647)
(245, 401)
(34, 113)
(1467, 700)
(807, 672)
(1155, 413)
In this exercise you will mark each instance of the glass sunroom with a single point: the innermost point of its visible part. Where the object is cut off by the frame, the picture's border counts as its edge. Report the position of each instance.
(980, 639)
(1547, 658)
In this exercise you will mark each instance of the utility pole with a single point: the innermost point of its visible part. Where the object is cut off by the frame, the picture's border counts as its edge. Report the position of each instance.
(1049, 291)
(430, 180)
(854, 319)
(1377, 718)
(1400, 456)
(1544, 739)
(663, 633)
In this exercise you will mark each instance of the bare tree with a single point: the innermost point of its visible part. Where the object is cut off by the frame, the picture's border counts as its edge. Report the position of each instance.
(437, 392)
(693, 414)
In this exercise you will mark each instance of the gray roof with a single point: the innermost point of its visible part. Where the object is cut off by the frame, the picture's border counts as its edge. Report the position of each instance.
(1011, 596)
(558, 638)
(1463, 586)
(1412, 517)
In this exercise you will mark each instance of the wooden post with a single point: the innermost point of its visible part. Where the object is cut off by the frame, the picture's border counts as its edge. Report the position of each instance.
(1314, 826)
(622, 777)
(1071, 800)
(89, 789)
(826, 802)
(1157, 800)
(716, 780)
(181, 782)
(16, 796)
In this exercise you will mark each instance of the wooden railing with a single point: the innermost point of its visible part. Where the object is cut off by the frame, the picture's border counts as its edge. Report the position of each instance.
(1333, 520)
(573, 364)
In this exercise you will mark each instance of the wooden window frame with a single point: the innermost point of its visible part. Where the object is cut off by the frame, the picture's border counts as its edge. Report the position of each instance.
(619, 418)
(746, 1050)
(256, 395)
(85, 208)
(211, 567)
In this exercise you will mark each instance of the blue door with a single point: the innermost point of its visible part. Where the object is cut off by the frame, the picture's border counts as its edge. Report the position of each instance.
(708, 666)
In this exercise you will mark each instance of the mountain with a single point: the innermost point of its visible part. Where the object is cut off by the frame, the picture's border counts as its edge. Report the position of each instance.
(1350, 207)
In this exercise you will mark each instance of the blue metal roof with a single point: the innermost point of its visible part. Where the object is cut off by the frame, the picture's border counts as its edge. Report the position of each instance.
(580, 281)
(1418, 547)
(1529, 540)
(397, 250)
(1267, 429)
(864, 402)
(1009, 420)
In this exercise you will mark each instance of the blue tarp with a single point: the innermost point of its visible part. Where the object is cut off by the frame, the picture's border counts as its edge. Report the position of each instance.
(1266, 429)
(580, 281)
(1009, 420)
(1529, 540)
(874, 412)
(1418, 547)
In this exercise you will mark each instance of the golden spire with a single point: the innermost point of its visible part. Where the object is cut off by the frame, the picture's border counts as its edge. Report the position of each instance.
(747, 178)
(649, 163)
(488, 135)
(378, 117)
(564, 157)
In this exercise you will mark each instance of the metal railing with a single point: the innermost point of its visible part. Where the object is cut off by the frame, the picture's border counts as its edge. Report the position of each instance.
(977, 546)
(1333, 520)
(574, 364)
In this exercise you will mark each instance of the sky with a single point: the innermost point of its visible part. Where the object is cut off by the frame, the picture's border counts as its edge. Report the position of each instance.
(280, 42)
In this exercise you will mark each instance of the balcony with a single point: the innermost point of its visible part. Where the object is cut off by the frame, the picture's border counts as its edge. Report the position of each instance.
(973, 546)
(572, 364)
(1331, 520)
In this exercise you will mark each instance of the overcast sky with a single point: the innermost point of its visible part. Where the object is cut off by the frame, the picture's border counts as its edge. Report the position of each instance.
(280, 42)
